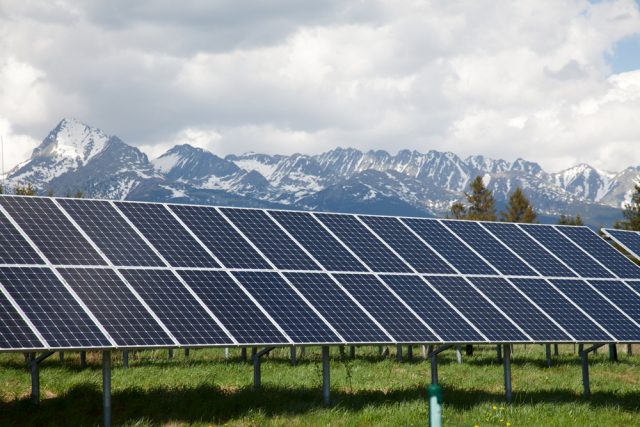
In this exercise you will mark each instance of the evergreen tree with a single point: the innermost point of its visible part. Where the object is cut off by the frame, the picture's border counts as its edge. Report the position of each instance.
(79, 195)
(458, 211)
(518, 208)
(27, 190)
(481, 205)
(570, 220)
(631, 212)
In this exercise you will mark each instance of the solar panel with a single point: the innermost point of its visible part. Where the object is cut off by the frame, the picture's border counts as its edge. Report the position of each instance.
(599, 309)
(425, 302)
(15, 333)
(489, 248)
(235, 310)
(343, 314)
(493, 324)
(446, 244)
(620, 295)
(555, 242)
(111, 233)
(630, 240)
(51, 308)
(519, 242)
(220, 237)
(364, 244)
(386, 308)
(51, 231)
(405, 243)
(561, 310)
(287, 308)
(166, 234)
(283, 252)
(602, 251)
(315, 239)
(180, 312)
(518, 308)
(14, 249)
(116, 308)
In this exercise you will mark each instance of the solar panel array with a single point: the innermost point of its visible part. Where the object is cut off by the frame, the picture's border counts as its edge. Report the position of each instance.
(82, 274)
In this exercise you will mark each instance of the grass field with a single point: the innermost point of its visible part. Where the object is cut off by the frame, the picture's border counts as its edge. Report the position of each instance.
(207, 390)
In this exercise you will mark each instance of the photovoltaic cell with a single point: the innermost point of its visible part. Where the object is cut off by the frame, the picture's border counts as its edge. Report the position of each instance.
(315, 239)
(620, 295)
(423, 300)
(528, 249)
(242, 318)
(287, 308)
(51, 231)
(115, 307)
(167, 235)
(518, 308)
(490, 249)
(111, 233)
(189, 323)
(602, 251)
(14, 249)
(386, 308)
(270, 239)
(478, 310)
(629, 239)
(348, 319)
(555, 242)
(51, 308)
(561, 310)
(599, 309)
(364, 244)
(14, 331)
(405, 243)
(446, 244)
(220, 237)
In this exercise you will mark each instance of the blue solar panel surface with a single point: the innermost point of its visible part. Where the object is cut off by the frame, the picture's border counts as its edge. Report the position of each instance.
(405, 243)
(283, 252)
(386, 308)
(111, 233)
(364, 244)
(447, 245)
(14, 249)
(425, 302)
(630, 239)
(233, 308)
(318, 241)
(14, 331)
(620, 295)
(561, 310)
(343, 314)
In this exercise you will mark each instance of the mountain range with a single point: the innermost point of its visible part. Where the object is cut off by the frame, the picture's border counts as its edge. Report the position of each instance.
(77, 157)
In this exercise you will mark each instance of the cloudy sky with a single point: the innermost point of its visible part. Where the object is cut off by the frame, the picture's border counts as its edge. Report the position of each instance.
(554, 81)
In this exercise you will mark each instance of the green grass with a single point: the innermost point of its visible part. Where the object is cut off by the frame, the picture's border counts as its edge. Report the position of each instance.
(369, 390)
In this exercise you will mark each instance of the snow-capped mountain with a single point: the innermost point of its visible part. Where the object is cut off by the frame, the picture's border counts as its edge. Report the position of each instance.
(76, 157)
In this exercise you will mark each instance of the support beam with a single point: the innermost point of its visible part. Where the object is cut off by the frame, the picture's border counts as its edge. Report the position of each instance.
(62, 357)
(186, 353)
(410, 353)
(326, 383)
(469, 350)
(170, 353)
(399, 353)
(547, 348)
(352, 352)
(380, 350)
(341, 349)
(556, 350)
(257, 380)
(106, 388)
(629, 350)
(499, 353)
(83, 359)
(459, 354)
(613, 352)
(34, 368)
(125, 358)
(433, 356)
(294, 360)
(584, 356)
(243, 354)
(507, 372)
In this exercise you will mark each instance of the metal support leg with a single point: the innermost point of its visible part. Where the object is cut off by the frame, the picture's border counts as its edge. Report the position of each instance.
(556, 350)
(226, 353)
(507, 372)
(459, 354)
(352, 352)
(410, 353)
(62, 357)
(399, 353)
(170, 353)
(35, 379)
(548, 354)
(243, 354)
(257, 381)
(186, 353)
(629, 350)
(499, 353)
(326, 383)
(341, 352)
(83, 359)
(424, 352)
(106, 388)
(584, 357)
(301, 352)
(294, 360)
(254, 350)
(434, 367)
(380, 350)
(613, 352)
(469, 350)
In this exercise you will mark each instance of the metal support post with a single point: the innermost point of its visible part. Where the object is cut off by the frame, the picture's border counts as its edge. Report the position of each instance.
(243, 354)
(469, 350)
(326, 383)
(170, 353)
(257, 381)
(254, 350)
(106, 388)
(294, 360)
(459, 354)
(424, 352)
(556, 350)
(613, 352)
(125, 358)
(83, 359)
(186, 353)
(433, 356)
(399, 353)
(34, 368)
(380, 350)
(62, 357)
(226, 353)
(410, 353)
(507, 372)
(301, 352)
(341, 349)
(584, 356)
(629, 350)
(352, 352)
(548, 354)
(499, 353)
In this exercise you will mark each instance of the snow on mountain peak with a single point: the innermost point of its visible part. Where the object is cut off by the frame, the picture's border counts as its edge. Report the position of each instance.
(74, 140)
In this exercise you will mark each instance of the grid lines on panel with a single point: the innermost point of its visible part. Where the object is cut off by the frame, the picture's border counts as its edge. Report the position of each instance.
(519, 242)
(242, 318)
(315, 239)
(386, 308)
(343, 314)
(14, 249)
(561, 310)
(185, 318)
(51, 231)
(599, 309)
(630, 239)
(410, 248)
(14, 331)
(444, 320)
(51, 308)
(602, 251)
(554, 241)
(270, 239)
(167, 235)
(220, 237)
(620, 295)
(479, 311)
(111, 233)
(115, 307)
(517, 307)
(489, 248)
(287, 308)
(367, 246)
(447, 245)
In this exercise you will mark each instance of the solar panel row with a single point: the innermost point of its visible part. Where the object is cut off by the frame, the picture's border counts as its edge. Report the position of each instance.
(82, 273)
